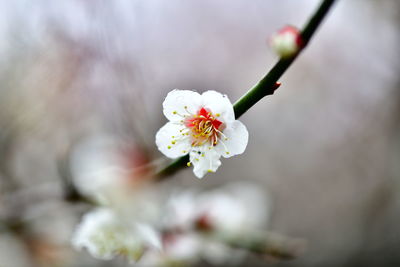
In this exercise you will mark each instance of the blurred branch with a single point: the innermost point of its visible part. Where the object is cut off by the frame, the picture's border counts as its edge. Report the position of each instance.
(268, 84)
(273, 245)
(7, 141)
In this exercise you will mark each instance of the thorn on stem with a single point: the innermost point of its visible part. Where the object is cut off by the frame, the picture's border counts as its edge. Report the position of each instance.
(276, 85)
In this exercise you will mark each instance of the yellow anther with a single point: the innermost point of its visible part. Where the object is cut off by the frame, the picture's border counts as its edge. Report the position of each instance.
(185, 107)
(184, 151)
(209, 170)
(227, 152)
(173, 142)
(169, 147)
(173, 136)
(217, 114)
(174, 112)
(202, 155)
(196, 159)
(188, 164)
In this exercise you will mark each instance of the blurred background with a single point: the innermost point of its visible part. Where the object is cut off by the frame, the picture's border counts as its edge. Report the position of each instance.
(325, 146)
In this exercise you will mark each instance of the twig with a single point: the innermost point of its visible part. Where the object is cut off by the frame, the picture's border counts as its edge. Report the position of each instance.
(268, 84)
(266, 244)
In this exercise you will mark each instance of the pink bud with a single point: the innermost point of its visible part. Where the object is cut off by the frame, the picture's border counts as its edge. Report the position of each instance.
(286, 42)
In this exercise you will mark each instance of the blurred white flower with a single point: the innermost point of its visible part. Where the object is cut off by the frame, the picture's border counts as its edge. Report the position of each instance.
(198, 220)
(127, 223)
(104, 171)
(105, 235)
(202, 126)
(234, 208)
(178, 249)
(286, 42)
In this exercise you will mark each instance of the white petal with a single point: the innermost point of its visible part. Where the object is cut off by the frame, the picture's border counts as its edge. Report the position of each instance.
(100, 233)
(236, 207)
(164, 140)
(218, 103)
(181, 210)
(149, 235)
(204, 160)
(255, 200)
(219, 254)
(177, 100)
(236, 142)
(185, 247)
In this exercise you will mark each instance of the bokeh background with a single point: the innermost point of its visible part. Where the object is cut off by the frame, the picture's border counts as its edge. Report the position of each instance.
(325, 146)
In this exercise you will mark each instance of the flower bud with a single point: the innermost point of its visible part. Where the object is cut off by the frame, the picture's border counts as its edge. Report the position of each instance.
(286, 42)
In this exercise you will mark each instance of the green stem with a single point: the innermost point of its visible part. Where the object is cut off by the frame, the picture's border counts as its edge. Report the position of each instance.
(267, 85)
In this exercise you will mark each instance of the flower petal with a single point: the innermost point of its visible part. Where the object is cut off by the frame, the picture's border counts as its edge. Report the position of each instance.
(100, 233)
(235, 142)
(204, 160)
(149, 235)
(171, 142)
(179, 103)
(219, 104)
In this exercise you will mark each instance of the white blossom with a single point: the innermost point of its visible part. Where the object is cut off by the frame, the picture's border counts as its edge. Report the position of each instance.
(109, 172)
(105, 235)
(231, 211)
(202, 126)
(178, 249)
(233, 208)
(99, 171)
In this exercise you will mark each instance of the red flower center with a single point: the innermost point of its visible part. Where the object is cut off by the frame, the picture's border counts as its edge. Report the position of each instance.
(205, 127)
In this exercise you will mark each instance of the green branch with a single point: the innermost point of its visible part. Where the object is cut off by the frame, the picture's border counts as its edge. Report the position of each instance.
(268, 84)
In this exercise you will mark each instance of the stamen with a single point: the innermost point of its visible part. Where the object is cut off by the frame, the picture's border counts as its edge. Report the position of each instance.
(203, 128)
(186, 109)
(226, 149)
(221, 133)
(180, 115)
